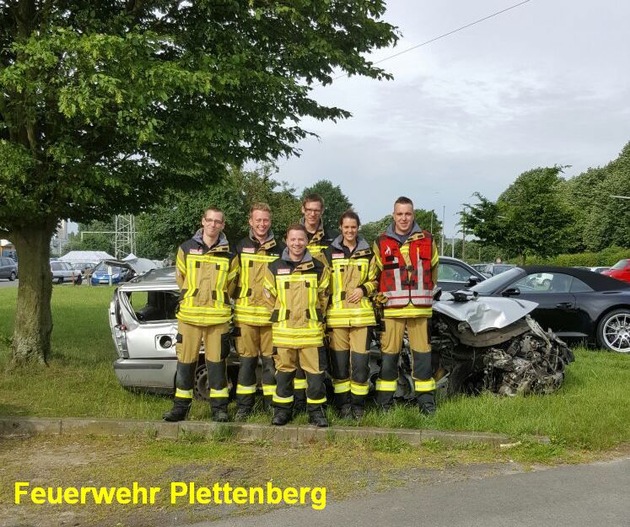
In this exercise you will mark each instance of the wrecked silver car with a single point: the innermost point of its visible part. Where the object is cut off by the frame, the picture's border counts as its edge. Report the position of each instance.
(144, 329)
(479, 343)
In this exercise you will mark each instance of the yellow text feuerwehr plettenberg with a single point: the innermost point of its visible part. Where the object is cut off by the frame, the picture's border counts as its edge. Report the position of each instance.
(178, 492)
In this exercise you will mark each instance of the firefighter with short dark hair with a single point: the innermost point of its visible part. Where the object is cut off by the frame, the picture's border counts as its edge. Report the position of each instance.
(350, 315)
(407, 260)
(252, 310)
(318, 240)
(298, 284)
(205, 279)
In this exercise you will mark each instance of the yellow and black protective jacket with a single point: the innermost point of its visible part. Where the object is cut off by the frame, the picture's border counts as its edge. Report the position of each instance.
(206, 281)
(349, 270)
(300, 293)
(407, 272)
(319, 241)
(251, 305)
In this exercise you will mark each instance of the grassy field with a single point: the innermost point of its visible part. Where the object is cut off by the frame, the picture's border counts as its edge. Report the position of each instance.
(591, 411)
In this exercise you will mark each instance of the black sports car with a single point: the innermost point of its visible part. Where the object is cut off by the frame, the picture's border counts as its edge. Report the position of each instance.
(573, 303)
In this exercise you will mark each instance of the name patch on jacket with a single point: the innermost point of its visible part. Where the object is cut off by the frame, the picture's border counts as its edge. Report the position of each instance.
(249, 250)
(195, 251)
(338, 255)
(284, 271)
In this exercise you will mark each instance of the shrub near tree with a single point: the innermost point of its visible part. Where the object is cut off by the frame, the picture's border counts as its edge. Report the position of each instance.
(107, 105)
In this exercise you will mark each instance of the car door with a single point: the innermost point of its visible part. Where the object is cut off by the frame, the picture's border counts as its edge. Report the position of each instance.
(453, 276)
(557, 304)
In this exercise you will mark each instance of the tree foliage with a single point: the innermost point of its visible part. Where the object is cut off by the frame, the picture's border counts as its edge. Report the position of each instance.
(105, 106)
(162, 229)
(602, 220)
(529, 218)
(335, 202)
(426, 219)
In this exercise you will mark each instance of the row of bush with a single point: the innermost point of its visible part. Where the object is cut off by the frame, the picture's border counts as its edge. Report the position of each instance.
(606, 257)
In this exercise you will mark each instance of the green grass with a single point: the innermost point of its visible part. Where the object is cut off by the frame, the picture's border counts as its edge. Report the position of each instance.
(591, 411)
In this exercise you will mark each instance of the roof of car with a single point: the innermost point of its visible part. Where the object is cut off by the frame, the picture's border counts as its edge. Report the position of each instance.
(597, 281)
(163, 278)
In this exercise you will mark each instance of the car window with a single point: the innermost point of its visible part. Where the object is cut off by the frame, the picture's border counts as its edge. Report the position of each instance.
(151, 306)
(448, 272)
(551, 283)
(55, 266)
(621, 264)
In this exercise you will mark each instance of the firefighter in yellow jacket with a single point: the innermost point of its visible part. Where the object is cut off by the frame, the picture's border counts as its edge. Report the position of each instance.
(319, 238)
(205, 280)
(298, 284)
(407, 260)
(350, 314)
(252, 310)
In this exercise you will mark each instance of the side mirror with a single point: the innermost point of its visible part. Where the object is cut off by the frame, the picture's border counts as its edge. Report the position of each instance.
(473, 280)
(512, 291)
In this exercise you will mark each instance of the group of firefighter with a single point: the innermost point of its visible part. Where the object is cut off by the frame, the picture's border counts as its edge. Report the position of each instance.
(304, 306)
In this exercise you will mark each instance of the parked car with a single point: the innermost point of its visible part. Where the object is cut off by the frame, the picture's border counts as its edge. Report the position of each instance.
(61, 272)
(144, 329)
(8, 268)
(492, 269)
(620, 271)
(85, 268)
(574, 304)
(118, 271)
(455, 274)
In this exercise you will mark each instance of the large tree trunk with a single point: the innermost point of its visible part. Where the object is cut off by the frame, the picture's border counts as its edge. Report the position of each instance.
(33, 318)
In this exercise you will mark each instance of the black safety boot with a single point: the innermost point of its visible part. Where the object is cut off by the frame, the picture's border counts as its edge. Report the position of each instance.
(242, 414)
(281, 416)
(299, 406)
(343, 405)
(317, 417)
(179, 412)
(219, 415)
(426, 403)
(345, 412)
(358, 412)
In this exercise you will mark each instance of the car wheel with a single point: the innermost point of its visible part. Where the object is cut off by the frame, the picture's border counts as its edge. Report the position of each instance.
(613, 331)
(201, 381)
(12, 276)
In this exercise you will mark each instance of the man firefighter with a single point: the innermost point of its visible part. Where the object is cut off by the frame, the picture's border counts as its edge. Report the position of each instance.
(318, 240)
(407, 261)
(252, 310)
(205, 279)
(350, 314)
(298, 284)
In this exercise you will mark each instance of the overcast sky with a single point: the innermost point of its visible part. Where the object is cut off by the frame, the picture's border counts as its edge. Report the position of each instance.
(543, 84)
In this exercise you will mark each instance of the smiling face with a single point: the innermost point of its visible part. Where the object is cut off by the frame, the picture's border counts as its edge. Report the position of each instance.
(403, 218)
(296, 244)
(260, 222)
(349, 231)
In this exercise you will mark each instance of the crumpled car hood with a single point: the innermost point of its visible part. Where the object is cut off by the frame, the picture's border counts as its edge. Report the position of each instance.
(484, 313)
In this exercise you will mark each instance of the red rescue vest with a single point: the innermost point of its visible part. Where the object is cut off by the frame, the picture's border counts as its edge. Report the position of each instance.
(406, 276)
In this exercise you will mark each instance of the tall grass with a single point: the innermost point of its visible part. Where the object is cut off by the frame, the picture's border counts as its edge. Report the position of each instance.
(590, 411)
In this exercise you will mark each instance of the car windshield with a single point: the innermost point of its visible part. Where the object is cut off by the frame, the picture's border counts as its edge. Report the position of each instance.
(498, 281)
(621, 264)
(103, 268)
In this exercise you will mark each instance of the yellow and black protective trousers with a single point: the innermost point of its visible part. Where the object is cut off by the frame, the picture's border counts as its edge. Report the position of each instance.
(216, 343)
(252, 314)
